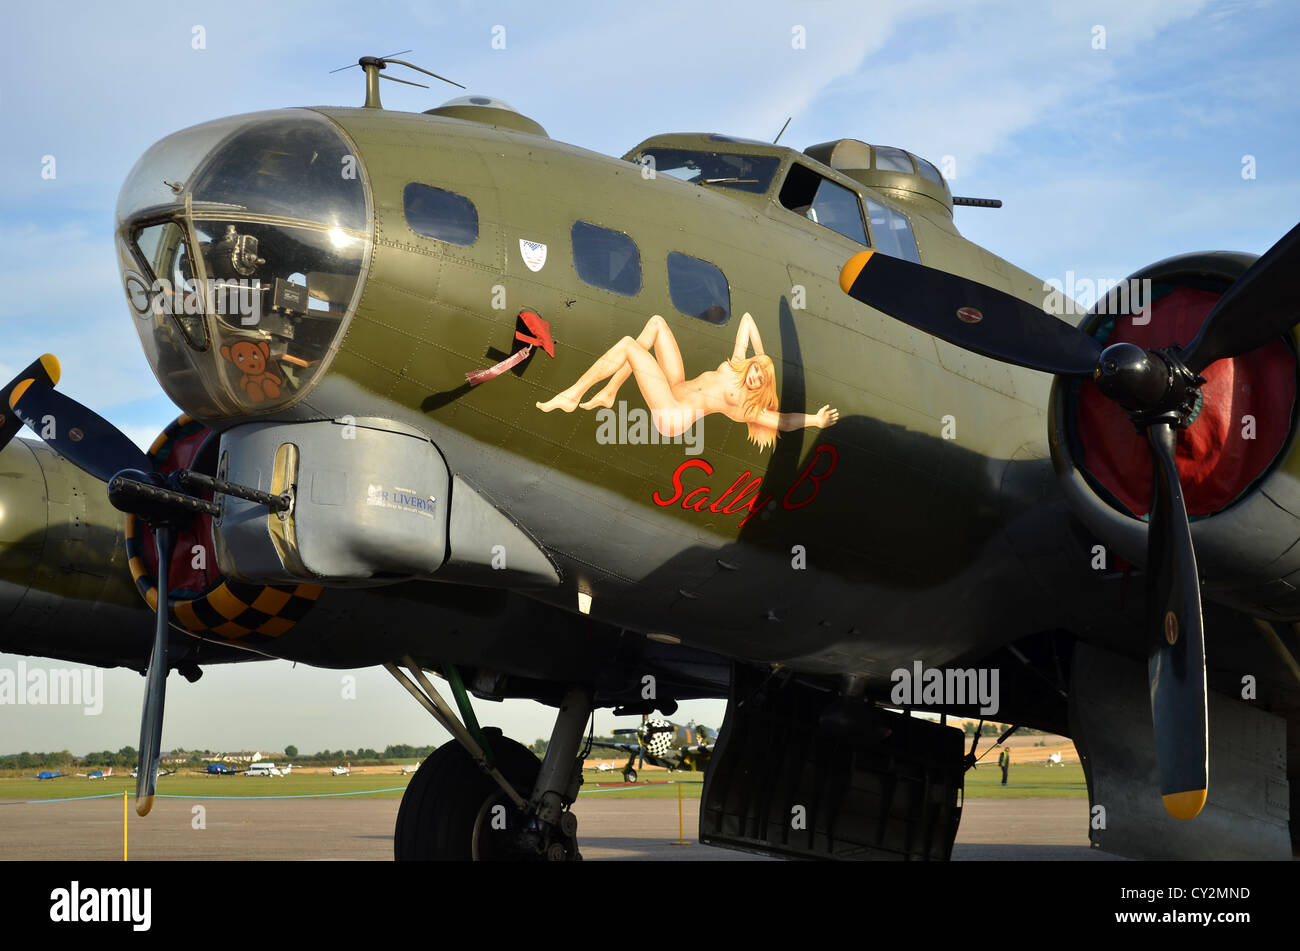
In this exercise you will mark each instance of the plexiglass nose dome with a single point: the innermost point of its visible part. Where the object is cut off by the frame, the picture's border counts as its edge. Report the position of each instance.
(243, 245)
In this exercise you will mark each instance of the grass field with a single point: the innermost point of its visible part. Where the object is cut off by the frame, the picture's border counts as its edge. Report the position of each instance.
(1027, 782)
(985, 782)
(200, 786)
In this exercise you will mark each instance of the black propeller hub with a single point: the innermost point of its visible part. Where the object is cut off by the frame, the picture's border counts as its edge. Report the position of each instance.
(1152, 385)
(1131, 376)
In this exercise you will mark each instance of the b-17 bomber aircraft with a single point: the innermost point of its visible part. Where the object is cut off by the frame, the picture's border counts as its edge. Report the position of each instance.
(718, 418)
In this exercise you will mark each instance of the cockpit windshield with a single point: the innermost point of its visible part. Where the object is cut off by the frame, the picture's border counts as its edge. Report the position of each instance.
(242, 245)
(750, 173)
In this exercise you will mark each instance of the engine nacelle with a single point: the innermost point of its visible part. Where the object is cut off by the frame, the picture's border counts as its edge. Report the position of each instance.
(203, 600)
(1237, 458)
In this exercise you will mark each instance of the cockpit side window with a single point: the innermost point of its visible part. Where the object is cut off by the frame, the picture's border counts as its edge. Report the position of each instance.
(824, 202)
(892, 231)
(747, 173)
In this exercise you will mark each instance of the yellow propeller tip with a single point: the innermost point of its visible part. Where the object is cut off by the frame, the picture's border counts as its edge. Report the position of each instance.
(849, 273)
(52, 369)
(18, 392)
(1185, 805)
(143, 805)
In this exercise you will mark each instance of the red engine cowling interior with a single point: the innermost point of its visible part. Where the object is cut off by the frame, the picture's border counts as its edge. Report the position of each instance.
(1242, 425)
(202, 600)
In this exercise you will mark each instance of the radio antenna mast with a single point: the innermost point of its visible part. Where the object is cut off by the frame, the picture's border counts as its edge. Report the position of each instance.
(372, 66)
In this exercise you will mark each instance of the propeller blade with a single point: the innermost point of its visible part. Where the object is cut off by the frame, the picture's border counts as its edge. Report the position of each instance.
(81, 436)
(1176, 669)
(1263, 303)
(44, 370)
(971, 315)
(997, 325)
(155, 691)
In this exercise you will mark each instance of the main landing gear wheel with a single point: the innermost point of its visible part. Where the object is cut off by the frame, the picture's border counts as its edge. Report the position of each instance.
(453, 811)
(629, 775)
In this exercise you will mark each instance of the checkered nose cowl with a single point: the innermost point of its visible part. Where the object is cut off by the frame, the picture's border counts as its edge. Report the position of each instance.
(202, 600)
(658, 736)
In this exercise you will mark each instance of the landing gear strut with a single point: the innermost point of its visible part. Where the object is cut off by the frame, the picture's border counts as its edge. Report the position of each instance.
(467, 800)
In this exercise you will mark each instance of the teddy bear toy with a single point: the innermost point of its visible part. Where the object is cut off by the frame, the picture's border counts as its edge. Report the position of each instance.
(251, 360)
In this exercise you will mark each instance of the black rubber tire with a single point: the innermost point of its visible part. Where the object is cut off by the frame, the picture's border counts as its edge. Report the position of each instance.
(629, 775)
(441, 804)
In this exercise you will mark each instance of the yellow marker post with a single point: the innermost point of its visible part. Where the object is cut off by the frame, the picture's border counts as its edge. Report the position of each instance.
(123, 825)
(681, 829)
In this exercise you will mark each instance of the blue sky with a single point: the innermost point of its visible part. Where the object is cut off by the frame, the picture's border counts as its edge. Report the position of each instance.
(1106, 159)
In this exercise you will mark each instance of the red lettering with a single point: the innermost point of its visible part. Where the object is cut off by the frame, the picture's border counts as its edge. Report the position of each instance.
(739, 502)
(755, 506)
(686, 502)
(714, 507)
(815, 479)
(748, 497)
(677, 480)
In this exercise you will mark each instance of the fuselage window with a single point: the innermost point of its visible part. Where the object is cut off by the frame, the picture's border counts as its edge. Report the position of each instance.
(822, 201)
(440, 214)
(892, 232)
(606, 259)
(698, 289)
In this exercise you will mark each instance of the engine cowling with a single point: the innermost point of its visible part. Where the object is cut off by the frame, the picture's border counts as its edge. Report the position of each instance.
(1237, 458)
(203, 600)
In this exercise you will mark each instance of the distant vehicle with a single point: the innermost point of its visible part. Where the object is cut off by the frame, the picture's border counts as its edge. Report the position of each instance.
(98, 774)
(267, 769)
(344, 770)
(1055, 759)
(166, 772)
(410, 768)
(45, 774)
(220, 769)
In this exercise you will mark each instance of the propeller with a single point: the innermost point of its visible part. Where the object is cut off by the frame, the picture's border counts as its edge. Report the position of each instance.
(97, 447)
(44, 369)
(84, 438)
(1159, 389)
(1262, 304)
